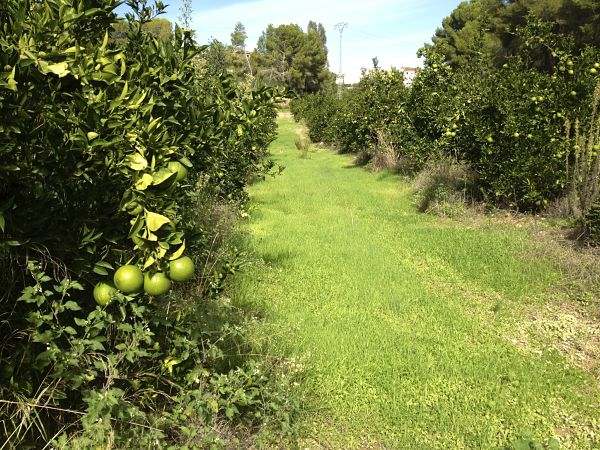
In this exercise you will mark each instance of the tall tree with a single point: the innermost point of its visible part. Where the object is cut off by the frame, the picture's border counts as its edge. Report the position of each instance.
(161, 28)
(240, 58)
(239, 36)
(289, 57)
(486, 27)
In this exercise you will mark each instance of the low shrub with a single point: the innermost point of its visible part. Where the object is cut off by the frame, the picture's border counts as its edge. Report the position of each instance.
(591, 224)
(302, 145)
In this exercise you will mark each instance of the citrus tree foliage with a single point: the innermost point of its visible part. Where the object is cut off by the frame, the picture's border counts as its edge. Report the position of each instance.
(96, 139)
(160, 28)
(377, 103)
(506, 121)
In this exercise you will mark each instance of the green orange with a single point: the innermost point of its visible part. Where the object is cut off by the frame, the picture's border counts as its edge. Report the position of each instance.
(129, 279)
(157, 284)
(181, 269)
(104, 293)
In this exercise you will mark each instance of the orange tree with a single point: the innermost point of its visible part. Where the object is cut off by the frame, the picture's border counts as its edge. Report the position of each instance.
(102, 148)
(506, 120)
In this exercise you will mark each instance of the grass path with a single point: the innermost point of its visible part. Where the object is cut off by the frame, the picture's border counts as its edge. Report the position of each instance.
(403, 320)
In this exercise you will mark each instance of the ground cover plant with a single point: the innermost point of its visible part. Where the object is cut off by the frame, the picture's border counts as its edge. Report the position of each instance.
(115, 155)
(416, 331)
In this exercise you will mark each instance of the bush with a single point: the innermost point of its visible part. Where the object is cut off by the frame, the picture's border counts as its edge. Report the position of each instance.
(506, 122)
(591, 223)
(95, 141)
(318, 112)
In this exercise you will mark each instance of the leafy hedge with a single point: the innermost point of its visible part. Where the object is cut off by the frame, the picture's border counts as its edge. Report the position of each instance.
(93, 139)
(507, 122)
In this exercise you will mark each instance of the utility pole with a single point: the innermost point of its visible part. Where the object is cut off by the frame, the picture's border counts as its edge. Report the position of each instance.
(341, 27)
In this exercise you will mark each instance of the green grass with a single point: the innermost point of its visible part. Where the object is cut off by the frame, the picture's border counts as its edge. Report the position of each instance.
(403, 320)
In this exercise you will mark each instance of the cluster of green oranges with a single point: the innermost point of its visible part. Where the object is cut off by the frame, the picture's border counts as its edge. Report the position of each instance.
(129, 279)
(451, 132)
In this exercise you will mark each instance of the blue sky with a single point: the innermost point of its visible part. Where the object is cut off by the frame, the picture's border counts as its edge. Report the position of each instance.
(391, 30)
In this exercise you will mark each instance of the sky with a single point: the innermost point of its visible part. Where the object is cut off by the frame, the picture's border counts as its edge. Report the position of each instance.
(391, 30)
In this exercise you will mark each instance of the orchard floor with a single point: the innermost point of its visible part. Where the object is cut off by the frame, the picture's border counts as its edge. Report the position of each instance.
(408, 325)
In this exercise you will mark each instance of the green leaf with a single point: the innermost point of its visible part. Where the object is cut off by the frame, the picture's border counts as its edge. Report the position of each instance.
(149, 262)
(162, 175)
(178, 252)
(92, 135)
(2, 222)
(136, 161)
(72, 306)
(70, 330)
(80, 322)
(60, 69)
(100, 270)
(143, 183)
(104, 42)
(186, 162)
(10, 81)
(154, 221)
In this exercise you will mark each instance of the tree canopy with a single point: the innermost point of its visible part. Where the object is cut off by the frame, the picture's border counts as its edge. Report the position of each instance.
(488, 26)
(289, 57)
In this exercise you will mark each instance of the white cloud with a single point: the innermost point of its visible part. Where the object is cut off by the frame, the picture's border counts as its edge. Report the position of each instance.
(381, 28)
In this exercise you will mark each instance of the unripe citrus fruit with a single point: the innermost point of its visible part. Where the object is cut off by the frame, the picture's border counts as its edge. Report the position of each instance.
(103, 293)
(157, 284)
(129, 279)
(181, 269)
(177, 167)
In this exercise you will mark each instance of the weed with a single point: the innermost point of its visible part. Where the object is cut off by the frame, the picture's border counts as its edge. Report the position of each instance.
(384, 155)
(445, 186)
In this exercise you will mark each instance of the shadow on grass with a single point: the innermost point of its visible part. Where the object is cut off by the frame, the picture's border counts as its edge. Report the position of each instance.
(277, 258)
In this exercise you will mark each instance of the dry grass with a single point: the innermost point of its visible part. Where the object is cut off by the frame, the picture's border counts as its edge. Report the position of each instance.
(384, 155)
(302, 141)
(569, 319)
(444, 187)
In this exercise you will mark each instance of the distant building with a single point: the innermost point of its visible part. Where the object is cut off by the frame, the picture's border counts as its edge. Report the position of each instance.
(409, 74)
